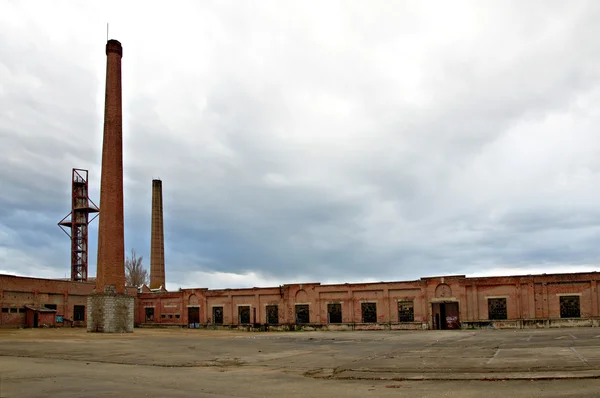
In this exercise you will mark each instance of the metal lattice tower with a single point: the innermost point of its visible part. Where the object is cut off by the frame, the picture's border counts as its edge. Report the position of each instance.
(78, 220)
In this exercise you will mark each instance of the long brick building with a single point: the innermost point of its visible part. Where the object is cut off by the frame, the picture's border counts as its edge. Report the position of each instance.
(429, 303)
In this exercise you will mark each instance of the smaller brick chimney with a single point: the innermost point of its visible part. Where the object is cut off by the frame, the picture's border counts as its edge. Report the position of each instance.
(157, 248)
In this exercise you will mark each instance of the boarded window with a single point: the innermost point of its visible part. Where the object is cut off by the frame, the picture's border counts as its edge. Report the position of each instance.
(569, 307)
(244, 314)
(406, 311)
(302, 313)
(79, 312)
(334, 313)
(217, 313)
(497, 309)
(149, 314)
(369, 312)
(272, 314)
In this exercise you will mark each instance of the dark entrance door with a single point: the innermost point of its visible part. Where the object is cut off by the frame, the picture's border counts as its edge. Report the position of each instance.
(244, 315)
(35, 319)
(149, 314)
(445, 316)
(272, 314)
(302, 313)
(194, 317)
(218, 315)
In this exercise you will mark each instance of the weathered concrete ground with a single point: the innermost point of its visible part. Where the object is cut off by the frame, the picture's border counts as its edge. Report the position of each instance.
(200, 363)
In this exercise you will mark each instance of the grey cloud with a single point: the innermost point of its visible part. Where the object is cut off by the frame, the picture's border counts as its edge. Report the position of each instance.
(315, 147)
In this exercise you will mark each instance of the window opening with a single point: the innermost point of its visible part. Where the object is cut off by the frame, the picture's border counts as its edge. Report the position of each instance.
(406, 311)
(244, 315)
(79, 313)
(217, 315)
(369, 312)
(272, 314)
(569, 307)
(302, 313)
(497, 309)
(334, 313)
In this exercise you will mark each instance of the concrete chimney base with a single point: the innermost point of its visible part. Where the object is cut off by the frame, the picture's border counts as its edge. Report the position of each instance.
(110, 313)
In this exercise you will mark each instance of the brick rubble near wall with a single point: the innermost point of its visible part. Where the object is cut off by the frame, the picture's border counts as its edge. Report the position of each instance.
(110, 313)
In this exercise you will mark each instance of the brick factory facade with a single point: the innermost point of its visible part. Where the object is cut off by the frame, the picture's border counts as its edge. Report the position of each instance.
(20, 295)
(555, 300)
(429, 303)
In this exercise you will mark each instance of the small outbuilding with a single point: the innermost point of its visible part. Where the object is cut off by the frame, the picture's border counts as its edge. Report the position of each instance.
(39, 317)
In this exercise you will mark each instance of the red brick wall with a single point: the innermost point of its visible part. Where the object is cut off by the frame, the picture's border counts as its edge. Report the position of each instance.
(168, 307)
(13, 319)
(16, 292)
(528, 297)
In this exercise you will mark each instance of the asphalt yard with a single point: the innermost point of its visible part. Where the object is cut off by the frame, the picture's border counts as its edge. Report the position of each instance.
(207, 363)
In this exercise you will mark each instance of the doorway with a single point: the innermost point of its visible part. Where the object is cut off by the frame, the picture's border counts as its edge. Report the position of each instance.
(194, 317)
(149, 312)
(445, 315)
(217, 313)
(35, 319)
(244, 315)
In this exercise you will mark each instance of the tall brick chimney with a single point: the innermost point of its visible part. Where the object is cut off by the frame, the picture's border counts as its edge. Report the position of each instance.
(110, 277)
(110, 309)
(157, 248)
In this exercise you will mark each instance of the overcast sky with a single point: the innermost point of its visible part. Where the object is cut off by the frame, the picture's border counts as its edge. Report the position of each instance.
(329, 141)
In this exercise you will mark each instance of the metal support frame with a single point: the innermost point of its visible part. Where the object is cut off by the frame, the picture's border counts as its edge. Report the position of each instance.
(78, 220)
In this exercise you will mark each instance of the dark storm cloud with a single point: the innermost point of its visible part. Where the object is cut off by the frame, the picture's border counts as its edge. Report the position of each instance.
(359, 143)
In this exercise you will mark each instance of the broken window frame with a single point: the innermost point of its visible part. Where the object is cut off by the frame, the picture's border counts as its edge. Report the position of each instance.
(334, 312)
(302, 313)
(272, 314)
(243, 311)
(217, 315)
(406, 311)
(368, 312)
(79, 312)
(570, 306)
(497, 309)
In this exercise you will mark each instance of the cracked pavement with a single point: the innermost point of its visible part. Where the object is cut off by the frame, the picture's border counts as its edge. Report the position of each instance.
(183, 362)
